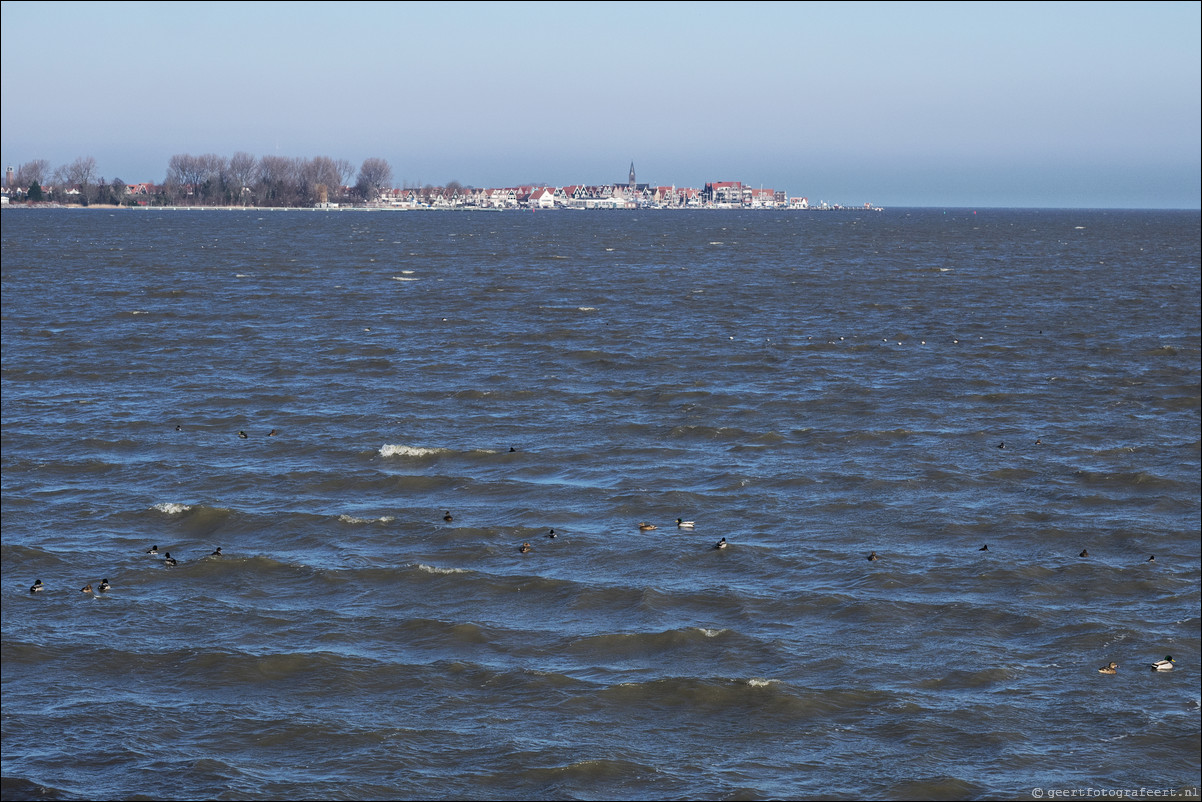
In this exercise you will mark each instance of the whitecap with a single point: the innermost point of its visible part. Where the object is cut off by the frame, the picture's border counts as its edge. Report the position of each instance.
(430, 569)
(403, 278)
(761, 683)
(710, 633)
(350, 519)
(586, 309)
(388, 450)
(171, 508)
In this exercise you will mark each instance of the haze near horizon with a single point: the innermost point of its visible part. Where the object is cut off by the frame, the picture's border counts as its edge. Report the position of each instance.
(898, 104)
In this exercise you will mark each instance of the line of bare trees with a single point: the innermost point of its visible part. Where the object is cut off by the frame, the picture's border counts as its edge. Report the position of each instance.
(212, 180)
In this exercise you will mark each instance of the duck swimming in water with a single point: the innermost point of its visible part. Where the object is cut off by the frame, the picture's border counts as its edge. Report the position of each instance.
(153, 550)
(242, 434)
(646, 527)
(684, 524)
(1084, 553)
(448, 517)
(552, 534)
(525, 548)
(721, 544)
(1109, 668)
(873, 558)
(168, 560)
(86, 588)
(216, 553)
(1164, 665)
(984, 548)
(37, 586)
(103, 586)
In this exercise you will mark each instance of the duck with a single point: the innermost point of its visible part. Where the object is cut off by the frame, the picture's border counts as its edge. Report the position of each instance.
(552, 534)
(153, 550)
(525, 547)
(1164, 665)
(216, 552)
(242, 434)
(37, 586)
(168, 560)
(646, 527)
(86, 588)
(1109, 668)
(103, 586)
(179, 428)
(984, 548)
(271, 433)
(683, 524)
(721, 544)
(1152, 558)
(448, 517)
(1084, 553)
(872, 557)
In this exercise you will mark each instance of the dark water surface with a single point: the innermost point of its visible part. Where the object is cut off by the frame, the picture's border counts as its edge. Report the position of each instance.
(811, 387)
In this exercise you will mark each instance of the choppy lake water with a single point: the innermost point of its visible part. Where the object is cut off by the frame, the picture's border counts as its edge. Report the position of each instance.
(811, 387)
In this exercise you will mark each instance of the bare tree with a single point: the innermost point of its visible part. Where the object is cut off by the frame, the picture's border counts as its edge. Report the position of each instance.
(277, 181)
(374, 175)
(36, 170)
(346, 171)
(80, 174)
(316, 177)
(241, 173)
(182, 176)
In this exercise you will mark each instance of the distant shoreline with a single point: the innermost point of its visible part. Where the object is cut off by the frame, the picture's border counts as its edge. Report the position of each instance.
(489, 209)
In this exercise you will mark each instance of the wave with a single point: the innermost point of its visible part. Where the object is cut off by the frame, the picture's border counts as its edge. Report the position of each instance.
(350, 519)
(389, 450)
(431, 569)
(171, 508)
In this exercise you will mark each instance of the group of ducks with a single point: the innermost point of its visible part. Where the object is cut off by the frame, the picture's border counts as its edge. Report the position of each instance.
(38, 587)
(681, 524)
(168, 561)
(1160, 665)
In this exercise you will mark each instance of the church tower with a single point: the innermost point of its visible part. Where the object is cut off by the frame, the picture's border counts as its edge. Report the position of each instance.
(632, 181)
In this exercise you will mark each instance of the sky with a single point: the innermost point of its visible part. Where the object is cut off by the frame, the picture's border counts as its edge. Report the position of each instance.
(952, 104)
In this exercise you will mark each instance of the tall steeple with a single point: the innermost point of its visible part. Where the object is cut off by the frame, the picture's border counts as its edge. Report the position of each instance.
(633, 184)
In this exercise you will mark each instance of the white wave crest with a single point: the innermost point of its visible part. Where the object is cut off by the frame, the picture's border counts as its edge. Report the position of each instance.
(171, 508)
(430, 569)
(710, 633)
(388, 450)
(350, 519)
(761, 683)
(404, 278)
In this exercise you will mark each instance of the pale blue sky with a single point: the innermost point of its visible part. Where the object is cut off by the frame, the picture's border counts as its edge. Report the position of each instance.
(901, 104)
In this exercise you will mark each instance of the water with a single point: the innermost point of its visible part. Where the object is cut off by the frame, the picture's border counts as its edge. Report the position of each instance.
(812, 387)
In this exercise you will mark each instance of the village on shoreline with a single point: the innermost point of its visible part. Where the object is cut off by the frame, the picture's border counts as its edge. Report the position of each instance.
(210, 182)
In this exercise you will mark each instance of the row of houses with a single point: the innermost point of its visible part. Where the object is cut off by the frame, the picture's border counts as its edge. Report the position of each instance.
(719, 194)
